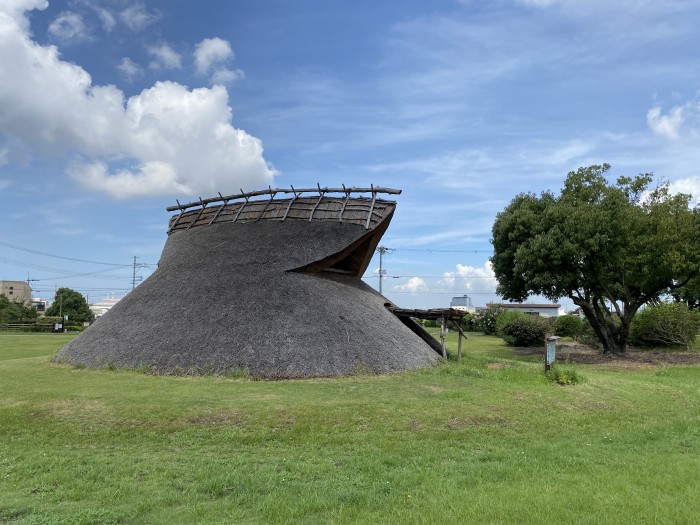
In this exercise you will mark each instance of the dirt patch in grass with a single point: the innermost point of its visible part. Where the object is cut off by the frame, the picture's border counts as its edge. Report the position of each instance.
(632, 358)
(74, 408)
(220, 418)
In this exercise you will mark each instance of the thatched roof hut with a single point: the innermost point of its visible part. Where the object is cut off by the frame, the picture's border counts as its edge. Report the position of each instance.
(270, 286)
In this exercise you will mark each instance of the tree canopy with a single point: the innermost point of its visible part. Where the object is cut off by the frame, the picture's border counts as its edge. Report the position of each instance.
(71, 303)
(689, 294)
(610, 248)
(14, 312)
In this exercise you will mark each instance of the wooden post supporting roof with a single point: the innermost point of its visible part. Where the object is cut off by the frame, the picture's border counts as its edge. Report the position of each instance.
(444, 315)
(459, 342)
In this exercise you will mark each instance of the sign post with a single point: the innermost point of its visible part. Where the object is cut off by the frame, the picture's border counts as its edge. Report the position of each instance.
(550, 354)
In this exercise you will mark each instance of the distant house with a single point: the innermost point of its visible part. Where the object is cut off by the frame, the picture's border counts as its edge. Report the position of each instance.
(17, 291)
(40, 305)
(545, 310)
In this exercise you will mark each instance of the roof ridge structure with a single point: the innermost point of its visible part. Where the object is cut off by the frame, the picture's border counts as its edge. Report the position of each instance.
(353, 207)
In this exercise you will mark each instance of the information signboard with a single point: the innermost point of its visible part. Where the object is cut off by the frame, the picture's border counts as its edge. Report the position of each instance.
(550, 354)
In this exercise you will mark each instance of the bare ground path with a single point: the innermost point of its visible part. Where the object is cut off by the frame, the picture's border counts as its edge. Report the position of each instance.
(632, 358)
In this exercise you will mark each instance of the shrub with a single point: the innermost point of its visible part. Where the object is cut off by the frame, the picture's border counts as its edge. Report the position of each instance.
(487, 319)
(563, 375)
(505, 318)
(567, 326)
(49, 319)
(666, 324)
(525, 330)
(470, 323)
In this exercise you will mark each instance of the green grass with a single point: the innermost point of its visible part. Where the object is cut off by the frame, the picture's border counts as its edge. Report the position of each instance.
(24, 345)
(490, 440)
(477, 344)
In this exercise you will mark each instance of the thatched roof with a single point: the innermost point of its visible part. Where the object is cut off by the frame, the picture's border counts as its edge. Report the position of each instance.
(277, 298)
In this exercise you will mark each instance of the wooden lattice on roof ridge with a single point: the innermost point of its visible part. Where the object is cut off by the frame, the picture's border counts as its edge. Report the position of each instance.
(351, 207)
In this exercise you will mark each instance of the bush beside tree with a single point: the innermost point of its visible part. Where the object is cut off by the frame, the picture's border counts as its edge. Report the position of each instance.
(526, 331)
(568, 326)
(665, 324)
(520, 329)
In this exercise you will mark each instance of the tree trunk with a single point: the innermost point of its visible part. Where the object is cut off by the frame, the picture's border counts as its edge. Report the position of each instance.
(612, 337)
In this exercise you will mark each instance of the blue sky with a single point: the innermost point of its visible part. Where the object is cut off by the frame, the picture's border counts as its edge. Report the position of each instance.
(110, 110)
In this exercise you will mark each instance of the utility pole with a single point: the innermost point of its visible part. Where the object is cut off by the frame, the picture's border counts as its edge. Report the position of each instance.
(30, 286)
(382, 250)
(135, 279)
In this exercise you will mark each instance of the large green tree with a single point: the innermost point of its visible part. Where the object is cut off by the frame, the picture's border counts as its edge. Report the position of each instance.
(71, 303)
(610, 248)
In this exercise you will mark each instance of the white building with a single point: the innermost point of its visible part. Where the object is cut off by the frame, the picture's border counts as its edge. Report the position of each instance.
(463, 303)
(40, 304)
(101, 308)
(545, 310)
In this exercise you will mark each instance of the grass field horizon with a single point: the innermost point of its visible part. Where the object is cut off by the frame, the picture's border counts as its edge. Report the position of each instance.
(490, 440)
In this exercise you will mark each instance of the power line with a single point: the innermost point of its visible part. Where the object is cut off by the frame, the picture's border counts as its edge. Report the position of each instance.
(32, 266)
(84, 274)
(81, 289)
(429, 277)
(430, 250)
(445, 293)
(30, 250)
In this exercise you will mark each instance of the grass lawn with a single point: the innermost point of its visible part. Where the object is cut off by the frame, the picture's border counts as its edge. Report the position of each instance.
(487, 441)
(23, 345)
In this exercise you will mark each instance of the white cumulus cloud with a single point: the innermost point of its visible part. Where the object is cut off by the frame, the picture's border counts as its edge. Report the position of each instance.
(414, 285)
(226, 76)
(681, 121)
(667, 126)
(150, 178)
(165, 140)
(164, 57)
(211, 51)
(689, 185)
(469, 279)
(211, 56)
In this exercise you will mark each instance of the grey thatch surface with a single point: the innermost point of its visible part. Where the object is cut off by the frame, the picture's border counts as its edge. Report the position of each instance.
(225, 298)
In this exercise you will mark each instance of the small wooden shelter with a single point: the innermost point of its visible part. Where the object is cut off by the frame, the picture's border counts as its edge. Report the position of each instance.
(446, 316)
